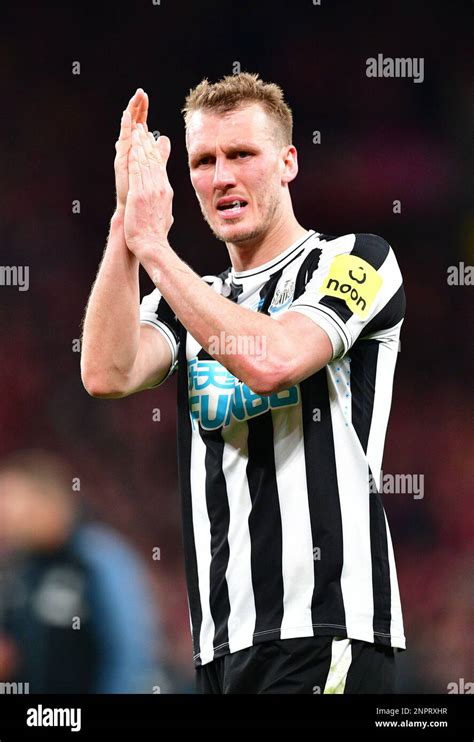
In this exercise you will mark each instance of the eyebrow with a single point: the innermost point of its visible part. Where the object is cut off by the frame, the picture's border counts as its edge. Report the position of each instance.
(237, 145)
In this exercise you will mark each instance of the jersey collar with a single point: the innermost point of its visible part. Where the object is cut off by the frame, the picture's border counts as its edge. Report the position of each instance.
(276, 263)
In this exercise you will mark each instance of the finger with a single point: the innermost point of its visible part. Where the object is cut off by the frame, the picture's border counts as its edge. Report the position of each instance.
(132, 103)
(147, 141)
(143, 111)
(125, 136)
(163, 145)
(135, 104)
(158, 160)
(134, 169)
(157, 166)
(154, 158)
(147, 178)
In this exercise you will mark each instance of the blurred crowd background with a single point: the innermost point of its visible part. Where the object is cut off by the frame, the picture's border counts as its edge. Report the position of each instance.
(381, 141)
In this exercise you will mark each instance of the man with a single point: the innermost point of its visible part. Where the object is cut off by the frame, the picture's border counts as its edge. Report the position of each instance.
(74, 599)
(285, 368)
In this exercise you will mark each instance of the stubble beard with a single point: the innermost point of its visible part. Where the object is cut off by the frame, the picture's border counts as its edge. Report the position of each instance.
(251, 234)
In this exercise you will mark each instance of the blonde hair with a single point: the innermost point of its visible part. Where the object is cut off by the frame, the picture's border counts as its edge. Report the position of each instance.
(234, 91)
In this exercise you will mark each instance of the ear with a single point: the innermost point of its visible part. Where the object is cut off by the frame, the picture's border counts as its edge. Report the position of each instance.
(289, 163)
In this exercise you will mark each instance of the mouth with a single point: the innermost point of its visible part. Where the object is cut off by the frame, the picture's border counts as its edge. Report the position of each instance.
(232, 209)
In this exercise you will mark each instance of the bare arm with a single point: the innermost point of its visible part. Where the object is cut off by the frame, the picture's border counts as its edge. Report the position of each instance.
(290, 348)
(120, 356)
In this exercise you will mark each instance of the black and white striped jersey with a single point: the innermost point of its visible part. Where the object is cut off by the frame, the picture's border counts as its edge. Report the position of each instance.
(284, 533)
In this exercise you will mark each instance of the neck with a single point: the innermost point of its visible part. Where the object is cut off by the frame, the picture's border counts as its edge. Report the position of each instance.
(265, 247)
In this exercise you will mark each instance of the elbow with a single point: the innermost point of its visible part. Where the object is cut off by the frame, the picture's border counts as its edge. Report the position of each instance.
(99, 387)
(269, 378)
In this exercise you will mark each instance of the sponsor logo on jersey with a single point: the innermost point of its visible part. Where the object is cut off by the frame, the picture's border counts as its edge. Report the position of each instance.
(353, 280)
(216, 397)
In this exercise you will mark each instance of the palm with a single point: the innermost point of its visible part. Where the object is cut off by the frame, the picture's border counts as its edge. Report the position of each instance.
(136, 113)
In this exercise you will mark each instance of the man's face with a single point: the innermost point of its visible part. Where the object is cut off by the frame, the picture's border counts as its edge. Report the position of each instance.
(236, 156)
(18, 509)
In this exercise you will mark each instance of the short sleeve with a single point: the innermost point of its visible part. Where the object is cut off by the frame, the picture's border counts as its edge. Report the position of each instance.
(155, 311)
(355, 290)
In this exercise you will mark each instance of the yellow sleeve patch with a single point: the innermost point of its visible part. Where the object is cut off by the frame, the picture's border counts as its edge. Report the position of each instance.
(354, 281)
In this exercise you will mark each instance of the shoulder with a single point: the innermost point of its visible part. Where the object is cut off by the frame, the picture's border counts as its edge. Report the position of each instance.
(363, 244)
(105, 549)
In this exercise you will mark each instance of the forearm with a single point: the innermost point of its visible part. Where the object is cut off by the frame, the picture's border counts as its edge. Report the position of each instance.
(250, 345)
(111, 330)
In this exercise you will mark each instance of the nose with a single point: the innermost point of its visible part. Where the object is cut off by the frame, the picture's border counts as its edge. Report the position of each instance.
(223, 174)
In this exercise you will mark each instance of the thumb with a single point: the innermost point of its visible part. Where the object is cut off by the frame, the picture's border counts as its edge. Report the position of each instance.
(164, 147)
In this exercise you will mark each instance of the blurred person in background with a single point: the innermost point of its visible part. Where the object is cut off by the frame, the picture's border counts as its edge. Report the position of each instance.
(285, 371)
(75, 610)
